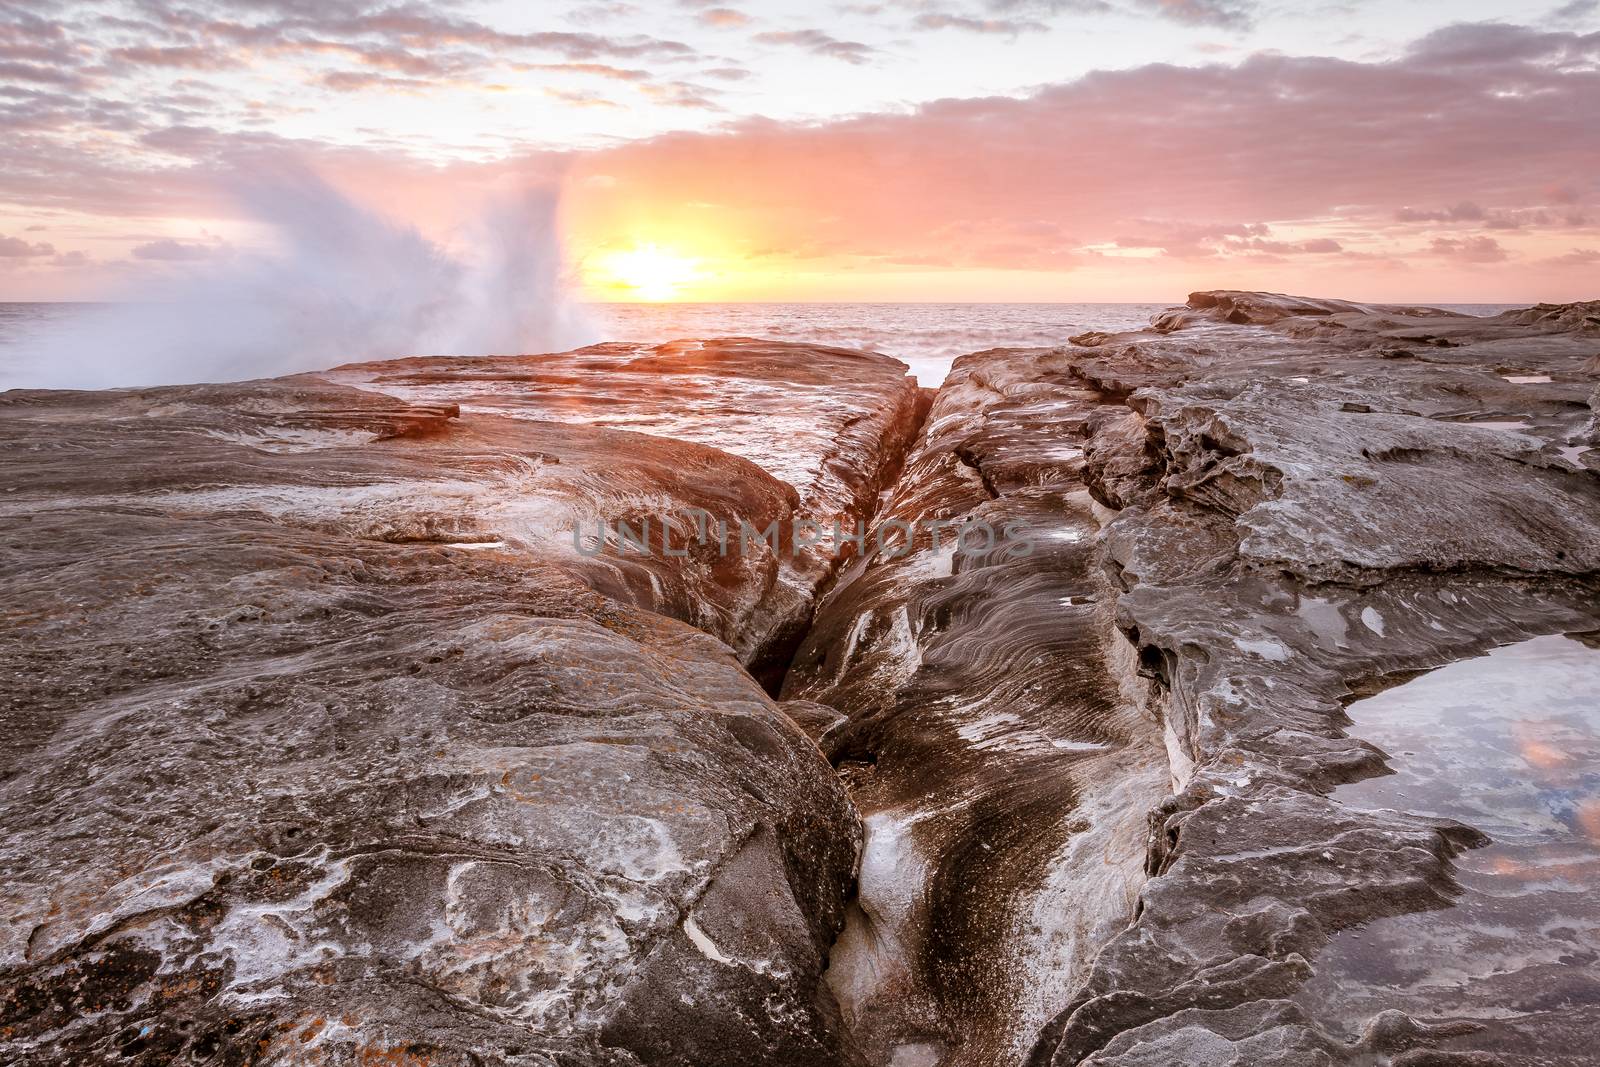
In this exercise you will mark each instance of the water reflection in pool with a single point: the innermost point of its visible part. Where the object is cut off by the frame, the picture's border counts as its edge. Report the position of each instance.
(1508, 743)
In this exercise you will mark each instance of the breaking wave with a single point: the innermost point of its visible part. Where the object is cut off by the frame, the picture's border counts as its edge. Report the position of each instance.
(343, 284)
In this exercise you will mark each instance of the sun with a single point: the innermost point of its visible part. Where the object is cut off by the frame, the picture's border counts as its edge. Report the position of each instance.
(648, 272)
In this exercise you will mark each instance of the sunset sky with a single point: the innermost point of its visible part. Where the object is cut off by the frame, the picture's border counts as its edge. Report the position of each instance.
(966, 150)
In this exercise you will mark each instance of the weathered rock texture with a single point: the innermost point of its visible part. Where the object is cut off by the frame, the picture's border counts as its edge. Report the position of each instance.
(996, 740)
(830, 424)
(1314, 498)
(329, 745)
(325, 745)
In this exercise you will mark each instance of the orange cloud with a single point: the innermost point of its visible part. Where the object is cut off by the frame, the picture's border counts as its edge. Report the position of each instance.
(1294, 173)
(1462, 170)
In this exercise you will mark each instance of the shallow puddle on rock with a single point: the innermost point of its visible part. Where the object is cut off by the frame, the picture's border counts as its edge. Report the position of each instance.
(1573, 454)
(1508, 743)
(1506, 425)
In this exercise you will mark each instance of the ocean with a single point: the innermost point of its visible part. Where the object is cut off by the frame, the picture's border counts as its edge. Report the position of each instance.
(927, 337)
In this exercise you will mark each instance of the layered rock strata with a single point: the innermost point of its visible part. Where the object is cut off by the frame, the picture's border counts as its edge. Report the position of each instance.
(1312, 500)
(327, 745)
(330, 744)
(995, 739)
(832, 424)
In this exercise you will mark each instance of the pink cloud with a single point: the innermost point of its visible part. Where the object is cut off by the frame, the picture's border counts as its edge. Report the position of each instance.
(599, 70)
(1469, 116)
(170, 251)
(1314, 164)
(178, 57)
(723, 17)
(17, 248)
(819, 43)
(1470, 250)
(1466, 211)
(580, 99)
(1202, 12)
(935, 20)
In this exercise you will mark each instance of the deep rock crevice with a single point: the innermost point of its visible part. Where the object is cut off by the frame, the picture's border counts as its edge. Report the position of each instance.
(981, 736)
(329, 748)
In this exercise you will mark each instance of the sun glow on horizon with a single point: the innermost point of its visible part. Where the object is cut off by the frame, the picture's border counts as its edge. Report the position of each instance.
(646, 272)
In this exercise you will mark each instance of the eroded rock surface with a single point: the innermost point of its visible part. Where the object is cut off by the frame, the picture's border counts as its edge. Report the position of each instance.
(996, 738)
(832, 424)
(1315, 499)
(1509, 742)
(326, 745)
(820, 419)
(330, 745)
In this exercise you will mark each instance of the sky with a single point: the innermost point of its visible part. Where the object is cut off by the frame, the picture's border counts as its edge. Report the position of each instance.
(947, 150)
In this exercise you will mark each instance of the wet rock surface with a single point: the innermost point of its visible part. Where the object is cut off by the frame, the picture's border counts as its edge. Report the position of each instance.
(832, 424)
(1315, 500)
(327, 745)
(331, 745)
(996, 743)
(820, 419)
(1509, 742)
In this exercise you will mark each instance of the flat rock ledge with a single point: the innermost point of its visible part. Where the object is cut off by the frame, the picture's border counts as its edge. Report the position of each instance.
(330, 744)
(326, 744)
(1310, 500)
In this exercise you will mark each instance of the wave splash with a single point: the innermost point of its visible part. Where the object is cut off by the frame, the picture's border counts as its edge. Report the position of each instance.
(344, 284)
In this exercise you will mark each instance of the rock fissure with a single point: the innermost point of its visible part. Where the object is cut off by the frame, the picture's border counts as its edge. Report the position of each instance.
(951, 668)
(1065, 794)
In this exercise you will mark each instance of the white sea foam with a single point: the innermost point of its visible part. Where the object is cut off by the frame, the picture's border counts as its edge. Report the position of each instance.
(343, 283)
(927, 337)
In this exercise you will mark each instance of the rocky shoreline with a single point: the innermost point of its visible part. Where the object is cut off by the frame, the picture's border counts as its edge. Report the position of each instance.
(333, 745)
(1316, 499)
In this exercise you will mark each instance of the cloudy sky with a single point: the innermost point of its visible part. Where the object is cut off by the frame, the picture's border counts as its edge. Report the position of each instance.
(896, 150)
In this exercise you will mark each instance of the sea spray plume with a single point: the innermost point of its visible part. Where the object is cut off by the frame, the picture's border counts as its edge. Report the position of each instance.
(515, 292)
(343, 284)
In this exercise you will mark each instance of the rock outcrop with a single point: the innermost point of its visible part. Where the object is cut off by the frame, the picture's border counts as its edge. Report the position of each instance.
(996, 740)
(326, 744)
(1313, 499)
(831, 424)
(413, 713)
(1302, 501)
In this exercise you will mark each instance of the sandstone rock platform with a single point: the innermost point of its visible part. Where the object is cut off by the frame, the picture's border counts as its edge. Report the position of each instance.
(326, 745)
(334, 739)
